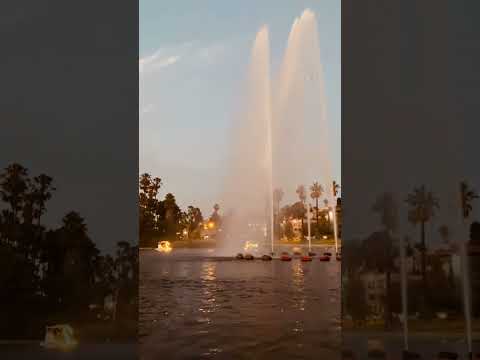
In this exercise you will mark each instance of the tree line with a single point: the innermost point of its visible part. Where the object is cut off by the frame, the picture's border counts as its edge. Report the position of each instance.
(378, 252)
(56, 275)
(323, 225)
(164, 219)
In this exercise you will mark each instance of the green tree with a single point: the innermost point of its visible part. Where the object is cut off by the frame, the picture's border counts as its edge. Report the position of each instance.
(192, 219)
(355, 302)
(302, 195)
(422, 209)
(467, 195)
(72, 258)
(151, 210)
(13, 187)
(42, 189)
(316, 190)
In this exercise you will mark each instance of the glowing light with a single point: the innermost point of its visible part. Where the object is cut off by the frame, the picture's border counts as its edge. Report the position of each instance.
(59, 337)
(164, 246)
(324, 236)
(250, 246)
(211, 225)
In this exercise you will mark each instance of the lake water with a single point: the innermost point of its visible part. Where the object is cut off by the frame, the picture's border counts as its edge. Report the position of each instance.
(82, 352)
(194, 306)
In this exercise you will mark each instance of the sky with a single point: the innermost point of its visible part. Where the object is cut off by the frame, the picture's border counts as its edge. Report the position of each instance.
(193, 59)
(68, 103)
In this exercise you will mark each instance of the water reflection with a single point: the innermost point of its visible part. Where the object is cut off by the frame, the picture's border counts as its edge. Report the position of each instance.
(299, 281)
(226, 309)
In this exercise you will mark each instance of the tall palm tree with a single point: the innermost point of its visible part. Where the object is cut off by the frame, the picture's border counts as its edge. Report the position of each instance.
(301, 192)
(277, 197)
(316, 191)
(386, 206)
(302, 195)
(13, 187)
(422, 209)
(42, 192)
(467, 196)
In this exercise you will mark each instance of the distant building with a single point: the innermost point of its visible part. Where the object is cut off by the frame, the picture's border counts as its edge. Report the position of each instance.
(374, 284)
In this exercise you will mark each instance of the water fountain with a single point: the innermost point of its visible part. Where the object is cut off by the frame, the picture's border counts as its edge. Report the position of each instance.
(249, 190)
(282, 138)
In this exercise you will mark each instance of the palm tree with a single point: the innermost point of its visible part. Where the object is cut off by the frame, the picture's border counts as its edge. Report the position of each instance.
(42, 192)
(316, 191)
(467, 196)
(13, 187)
(277, 197)
(301, 192)
(302, 195)
(383, 247)
(422, 209)
(386, 206)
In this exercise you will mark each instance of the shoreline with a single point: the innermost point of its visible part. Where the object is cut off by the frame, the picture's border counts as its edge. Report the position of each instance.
(213, 246)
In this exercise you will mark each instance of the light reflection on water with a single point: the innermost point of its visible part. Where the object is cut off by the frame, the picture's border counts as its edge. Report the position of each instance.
(195, 307)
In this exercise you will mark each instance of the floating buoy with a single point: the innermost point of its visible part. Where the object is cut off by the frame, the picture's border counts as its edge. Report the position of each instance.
(266, 258)
(306, 258)
(327, 254)
(339, 258)
(297, 253)
(324, 258)
(239, 256)
(407, 355)
(285, 258)
(59, 337)
(311, 253)
(444, 355)
(249, 257)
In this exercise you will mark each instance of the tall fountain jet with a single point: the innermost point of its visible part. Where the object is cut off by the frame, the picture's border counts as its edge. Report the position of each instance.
(301, 130)
(249, 189)
(281, 138)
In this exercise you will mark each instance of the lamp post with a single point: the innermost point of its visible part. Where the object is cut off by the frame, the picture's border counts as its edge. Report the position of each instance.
(335, 188)
(309, 221)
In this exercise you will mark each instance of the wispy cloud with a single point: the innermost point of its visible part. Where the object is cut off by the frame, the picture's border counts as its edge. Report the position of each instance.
(163, 57)
(168, 56)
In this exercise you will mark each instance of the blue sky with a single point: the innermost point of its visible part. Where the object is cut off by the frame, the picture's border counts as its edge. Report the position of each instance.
(193, 59)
